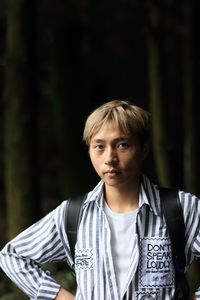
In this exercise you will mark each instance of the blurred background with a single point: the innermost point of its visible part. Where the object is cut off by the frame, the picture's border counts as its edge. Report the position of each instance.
(59, 60)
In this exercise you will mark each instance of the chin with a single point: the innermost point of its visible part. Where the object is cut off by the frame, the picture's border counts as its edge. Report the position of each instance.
(113, 183)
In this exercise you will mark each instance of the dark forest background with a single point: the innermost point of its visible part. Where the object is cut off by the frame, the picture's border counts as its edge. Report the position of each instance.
(59, 60)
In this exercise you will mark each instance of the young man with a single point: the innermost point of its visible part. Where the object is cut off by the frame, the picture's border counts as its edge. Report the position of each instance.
(123, 249)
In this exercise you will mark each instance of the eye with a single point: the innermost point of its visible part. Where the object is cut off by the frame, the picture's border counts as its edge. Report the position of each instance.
(122, 145)
(98, 147)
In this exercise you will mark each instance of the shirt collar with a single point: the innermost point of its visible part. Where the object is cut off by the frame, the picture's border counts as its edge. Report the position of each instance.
(149, 195)
(96, 194)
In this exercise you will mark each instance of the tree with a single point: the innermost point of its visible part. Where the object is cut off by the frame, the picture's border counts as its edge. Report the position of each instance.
(190, 101)
(19, 119)
(159, 132)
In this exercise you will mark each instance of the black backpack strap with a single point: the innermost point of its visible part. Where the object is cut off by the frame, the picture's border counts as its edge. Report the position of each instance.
(72, 219)
(172, 210)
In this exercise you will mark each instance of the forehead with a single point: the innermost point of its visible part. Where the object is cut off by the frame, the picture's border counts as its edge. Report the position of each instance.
(109, 130)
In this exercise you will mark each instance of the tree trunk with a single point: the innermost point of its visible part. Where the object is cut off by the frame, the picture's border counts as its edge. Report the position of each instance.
(19, 128)
(159, 133)
(190, 152)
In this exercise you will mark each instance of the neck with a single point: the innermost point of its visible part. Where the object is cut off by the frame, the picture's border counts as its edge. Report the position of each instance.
(122, 199)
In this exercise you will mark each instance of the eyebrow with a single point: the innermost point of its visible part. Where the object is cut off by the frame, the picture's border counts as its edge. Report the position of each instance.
(116, 140)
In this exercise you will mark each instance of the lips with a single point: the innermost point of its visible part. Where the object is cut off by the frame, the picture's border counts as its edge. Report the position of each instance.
(112, 173)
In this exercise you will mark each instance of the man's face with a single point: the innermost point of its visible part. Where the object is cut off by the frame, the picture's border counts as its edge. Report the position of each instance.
(116, 157)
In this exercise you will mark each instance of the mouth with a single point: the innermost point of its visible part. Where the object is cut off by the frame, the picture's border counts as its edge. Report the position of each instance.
(112, 173)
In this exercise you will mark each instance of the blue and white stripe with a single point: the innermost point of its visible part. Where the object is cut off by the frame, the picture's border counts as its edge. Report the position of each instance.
(46, 241)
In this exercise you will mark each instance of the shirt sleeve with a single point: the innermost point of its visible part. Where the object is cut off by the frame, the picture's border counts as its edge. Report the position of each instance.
(196, 243)
(191, 208)
(22, 258)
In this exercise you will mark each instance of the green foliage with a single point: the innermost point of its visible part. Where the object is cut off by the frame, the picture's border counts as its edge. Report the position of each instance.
(13, 296)
(62, 275)
(66, 280)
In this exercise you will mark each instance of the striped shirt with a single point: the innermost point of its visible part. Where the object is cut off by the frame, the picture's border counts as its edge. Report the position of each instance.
(46, 241)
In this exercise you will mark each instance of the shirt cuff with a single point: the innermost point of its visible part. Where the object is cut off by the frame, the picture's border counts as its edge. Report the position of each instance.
(48, 290)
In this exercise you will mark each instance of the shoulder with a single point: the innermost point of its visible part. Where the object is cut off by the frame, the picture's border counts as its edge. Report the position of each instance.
(188, 200)
(191, 208)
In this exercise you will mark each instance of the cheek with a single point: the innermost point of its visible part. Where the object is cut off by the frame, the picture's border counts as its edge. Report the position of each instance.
(134, 160)
(95, 161)
(97, 167)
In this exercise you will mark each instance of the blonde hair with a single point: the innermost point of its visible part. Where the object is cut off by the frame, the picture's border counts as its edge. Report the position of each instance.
(131, 119)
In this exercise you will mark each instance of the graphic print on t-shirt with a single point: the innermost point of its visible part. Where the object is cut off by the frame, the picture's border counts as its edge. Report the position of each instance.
(84, 259)
(155, 266)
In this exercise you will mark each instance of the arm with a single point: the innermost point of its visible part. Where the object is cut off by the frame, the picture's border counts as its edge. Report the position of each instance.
(42, 242)
(191, 208)
(196, 253)
(64, 295)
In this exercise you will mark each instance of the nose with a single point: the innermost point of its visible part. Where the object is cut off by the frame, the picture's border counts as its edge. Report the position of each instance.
(111, 157)
(111, 161)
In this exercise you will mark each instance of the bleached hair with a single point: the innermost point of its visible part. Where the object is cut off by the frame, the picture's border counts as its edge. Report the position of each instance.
(131, 119)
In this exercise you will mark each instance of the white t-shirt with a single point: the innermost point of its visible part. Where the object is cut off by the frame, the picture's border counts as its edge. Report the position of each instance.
(123, 243)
